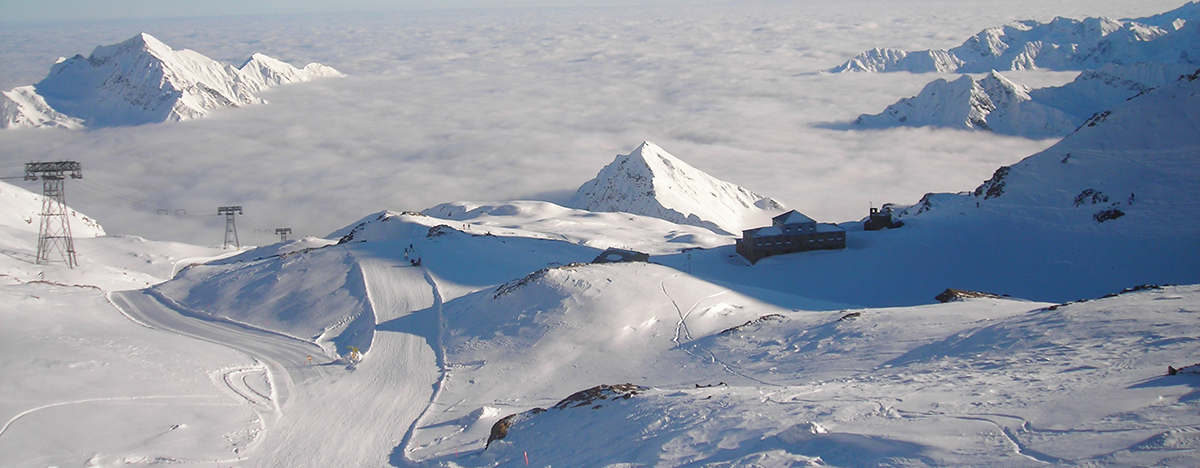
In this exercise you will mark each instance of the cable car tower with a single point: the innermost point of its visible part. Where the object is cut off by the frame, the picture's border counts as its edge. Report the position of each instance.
(230, 229)
(55, 230)
(283, 233)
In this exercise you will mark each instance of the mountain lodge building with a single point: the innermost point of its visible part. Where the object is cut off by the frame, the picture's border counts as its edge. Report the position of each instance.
(790, 232)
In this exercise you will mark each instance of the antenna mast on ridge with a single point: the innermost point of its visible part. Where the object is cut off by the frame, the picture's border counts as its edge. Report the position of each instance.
(55, 230)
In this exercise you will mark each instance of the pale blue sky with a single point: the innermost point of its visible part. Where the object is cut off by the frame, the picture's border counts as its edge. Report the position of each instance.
(74, 10)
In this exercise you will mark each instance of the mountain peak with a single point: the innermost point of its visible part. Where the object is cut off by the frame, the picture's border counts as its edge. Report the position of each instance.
(143, 80)
(649, 181)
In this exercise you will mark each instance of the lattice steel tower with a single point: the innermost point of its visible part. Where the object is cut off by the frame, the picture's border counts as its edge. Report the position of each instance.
(283, 233)
(55, 231)
(230, 228)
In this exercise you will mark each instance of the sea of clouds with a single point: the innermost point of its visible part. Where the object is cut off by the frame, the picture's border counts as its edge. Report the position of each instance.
(526, 104)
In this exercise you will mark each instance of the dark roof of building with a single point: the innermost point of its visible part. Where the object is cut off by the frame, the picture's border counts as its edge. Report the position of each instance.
(792, 217)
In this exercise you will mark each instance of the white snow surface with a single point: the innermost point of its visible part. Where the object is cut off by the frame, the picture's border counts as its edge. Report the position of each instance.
(1061, 44)
(143, 80)
(652, 182)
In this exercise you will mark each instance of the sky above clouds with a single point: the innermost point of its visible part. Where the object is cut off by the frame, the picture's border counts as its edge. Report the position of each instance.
(495, 104)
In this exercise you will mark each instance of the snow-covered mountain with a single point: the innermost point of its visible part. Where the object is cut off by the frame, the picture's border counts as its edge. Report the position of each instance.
(997, 104)
(142, 80)
(1061, 44)
(651, 182)
(993, 103)
(1135, 165)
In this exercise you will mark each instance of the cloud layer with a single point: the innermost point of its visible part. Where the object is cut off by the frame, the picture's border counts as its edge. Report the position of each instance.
(524, 103)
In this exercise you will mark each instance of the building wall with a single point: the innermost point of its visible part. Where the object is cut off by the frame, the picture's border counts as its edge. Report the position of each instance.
(756, 248)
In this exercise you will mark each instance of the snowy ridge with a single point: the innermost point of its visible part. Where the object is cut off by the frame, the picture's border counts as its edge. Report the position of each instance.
(995, 103)
(651, 182)
(22, 107)
(142, 80)
(1061, 44)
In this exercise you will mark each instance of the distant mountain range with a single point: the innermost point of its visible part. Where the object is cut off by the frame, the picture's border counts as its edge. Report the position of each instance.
(1061, 44)
(995, 103)
(142, 80)
(1119, 59)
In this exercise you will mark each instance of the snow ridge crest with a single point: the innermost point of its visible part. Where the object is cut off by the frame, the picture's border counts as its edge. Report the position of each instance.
(143, 80)
(651, 182)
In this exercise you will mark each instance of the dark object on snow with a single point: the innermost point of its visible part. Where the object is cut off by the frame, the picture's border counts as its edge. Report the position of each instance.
(581, 398)
(763, 319)
(1109, 214)
(441, 230)
(615, 255)
(850, 316)
(788, 233)
(881, 219)
(599, 392)
(960, 295)
(1192, 369)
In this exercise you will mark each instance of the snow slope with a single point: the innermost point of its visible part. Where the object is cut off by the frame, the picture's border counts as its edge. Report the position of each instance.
(651, 182)
(997, 104)
(143, 80)
(1062, 44)
(1063, 385)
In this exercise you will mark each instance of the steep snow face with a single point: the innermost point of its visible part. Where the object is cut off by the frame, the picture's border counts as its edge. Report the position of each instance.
(651, 182)
(1061, 44)
(142, 80)
(22, 107)
(997, 104)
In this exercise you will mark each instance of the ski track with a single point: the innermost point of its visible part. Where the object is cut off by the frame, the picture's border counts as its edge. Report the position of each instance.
(682, 326)
(403, 373)
(284, 360)
(29, 411)
(441, 361)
